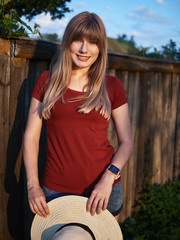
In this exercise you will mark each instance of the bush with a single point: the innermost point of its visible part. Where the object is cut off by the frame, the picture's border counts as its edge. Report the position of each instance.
(158, 217)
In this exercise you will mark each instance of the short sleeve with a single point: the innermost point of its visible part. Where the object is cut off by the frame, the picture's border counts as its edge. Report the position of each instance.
(41, 86)
(116, 92)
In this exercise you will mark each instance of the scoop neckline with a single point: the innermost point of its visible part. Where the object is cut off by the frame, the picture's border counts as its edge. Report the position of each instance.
(76, 91)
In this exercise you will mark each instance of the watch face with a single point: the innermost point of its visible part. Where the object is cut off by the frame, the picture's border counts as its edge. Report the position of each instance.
(113, 169)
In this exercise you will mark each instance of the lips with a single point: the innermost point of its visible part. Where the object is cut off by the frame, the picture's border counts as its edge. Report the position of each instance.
(82, 58)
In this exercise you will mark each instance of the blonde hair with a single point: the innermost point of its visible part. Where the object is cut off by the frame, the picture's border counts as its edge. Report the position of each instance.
(90, 26)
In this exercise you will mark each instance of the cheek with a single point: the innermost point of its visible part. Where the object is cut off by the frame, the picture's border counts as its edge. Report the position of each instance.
(96, 52)
(73, 48)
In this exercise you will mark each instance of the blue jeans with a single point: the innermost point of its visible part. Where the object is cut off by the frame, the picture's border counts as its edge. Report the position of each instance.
(115, 201)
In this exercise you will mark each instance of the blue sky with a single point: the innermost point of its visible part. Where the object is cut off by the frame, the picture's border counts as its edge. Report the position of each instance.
(152, 22)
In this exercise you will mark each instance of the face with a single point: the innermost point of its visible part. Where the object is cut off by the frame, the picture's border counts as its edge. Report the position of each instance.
(83, 53)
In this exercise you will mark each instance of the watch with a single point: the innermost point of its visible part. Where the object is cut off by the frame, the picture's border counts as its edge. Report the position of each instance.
(114, 170)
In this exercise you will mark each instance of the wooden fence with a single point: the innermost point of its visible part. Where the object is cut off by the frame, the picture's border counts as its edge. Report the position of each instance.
(152, 88)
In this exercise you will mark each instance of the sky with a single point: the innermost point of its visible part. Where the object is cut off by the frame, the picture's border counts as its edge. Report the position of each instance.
(152, 22)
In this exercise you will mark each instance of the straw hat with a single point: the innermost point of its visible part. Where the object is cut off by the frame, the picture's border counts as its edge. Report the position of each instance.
(68, 219)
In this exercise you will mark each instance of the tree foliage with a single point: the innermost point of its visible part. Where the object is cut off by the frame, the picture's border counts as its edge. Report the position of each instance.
(12, 25)
(53, 37)
(170, 51)
(31, 8)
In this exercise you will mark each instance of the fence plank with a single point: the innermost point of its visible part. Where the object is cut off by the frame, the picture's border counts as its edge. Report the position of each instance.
(136, 63)
(177, 136)
(4, 134)
(35, 49)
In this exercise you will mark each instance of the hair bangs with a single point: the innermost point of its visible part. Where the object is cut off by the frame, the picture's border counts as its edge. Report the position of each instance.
(90, 31)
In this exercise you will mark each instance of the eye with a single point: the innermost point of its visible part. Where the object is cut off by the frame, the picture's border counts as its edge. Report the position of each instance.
(93, 42)
(77, 40)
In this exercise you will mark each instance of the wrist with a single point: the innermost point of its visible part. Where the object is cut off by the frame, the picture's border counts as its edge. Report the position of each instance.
(110, 176)
(115, 171)
(32, 184)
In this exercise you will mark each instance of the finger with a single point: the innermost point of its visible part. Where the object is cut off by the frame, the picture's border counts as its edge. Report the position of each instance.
(89, 202)
(45, 206)
(32, 208)
(36, 208)
(94, 206)
(41, 208)
(105, 204)
(99, 206)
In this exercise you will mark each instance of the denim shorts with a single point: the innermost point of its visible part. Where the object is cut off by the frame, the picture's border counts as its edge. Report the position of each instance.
(115, 201)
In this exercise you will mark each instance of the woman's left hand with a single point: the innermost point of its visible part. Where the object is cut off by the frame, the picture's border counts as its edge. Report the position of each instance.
(99, 197)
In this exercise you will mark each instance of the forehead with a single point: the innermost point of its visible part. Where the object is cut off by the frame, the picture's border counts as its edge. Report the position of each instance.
(86, 35)
(90, 31)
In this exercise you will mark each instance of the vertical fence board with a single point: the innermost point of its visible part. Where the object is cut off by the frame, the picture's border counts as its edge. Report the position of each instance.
(133, 102)
(156, 171)
(177, 136)
(173, 98)
(123, 76)
(4, 133)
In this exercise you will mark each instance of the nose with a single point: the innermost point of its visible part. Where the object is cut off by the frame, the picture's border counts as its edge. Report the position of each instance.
(83, 47)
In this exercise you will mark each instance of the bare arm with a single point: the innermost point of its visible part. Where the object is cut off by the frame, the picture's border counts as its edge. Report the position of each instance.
(30, 152)
(123, 129)
(100, 195)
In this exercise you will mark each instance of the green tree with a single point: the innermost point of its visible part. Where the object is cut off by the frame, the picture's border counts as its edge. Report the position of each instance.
(50, 37)
(170, 51)
(155, 54)
(130, 45)
(31, 8)
(11, 24)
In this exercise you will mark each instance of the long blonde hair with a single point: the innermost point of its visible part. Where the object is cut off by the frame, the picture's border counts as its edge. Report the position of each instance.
(90, 26)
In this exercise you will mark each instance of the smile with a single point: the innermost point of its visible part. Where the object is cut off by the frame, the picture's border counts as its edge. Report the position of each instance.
(82, 58)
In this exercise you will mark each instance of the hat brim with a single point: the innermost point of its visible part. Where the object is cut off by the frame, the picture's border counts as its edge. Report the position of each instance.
(72, 209)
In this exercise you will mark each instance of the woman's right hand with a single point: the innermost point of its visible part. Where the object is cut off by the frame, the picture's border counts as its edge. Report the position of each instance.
(37, 201)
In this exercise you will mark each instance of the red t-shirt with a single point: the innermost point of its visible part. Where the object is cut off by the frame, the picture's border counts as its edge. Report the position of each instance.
(78, 148)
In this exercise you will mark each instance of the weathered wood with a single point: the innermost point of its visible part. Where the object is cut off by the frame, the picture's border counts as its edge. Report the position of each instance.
(4, 132)
(158, 113)
(5, 69)
(4, 46)
(123, 76)
(135, 63)
(35, 49)
(177, 136)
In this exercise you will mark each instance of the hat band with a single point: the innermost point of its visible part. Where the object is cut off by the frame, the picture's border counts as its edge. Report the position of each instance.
(86, 228)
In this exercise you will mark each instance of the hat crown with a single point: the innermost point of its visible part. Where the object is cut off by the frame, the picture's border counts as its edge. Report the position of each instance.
(72, 232)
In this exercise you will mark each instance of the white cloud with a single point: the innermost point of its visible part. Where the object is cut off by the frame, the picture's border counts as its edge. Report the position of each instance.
(49, 26)
(161, 2)
(108, 8)
(143, 13)
(137, 34)
(81, 5)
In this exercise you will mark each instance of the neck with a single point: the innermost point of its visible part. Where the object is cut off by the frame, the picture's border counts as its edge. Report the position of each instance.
(79, 80)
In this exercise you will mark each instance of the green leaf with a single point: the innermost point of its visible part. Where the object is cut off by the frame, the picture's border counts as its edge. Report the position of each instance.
(22, 22)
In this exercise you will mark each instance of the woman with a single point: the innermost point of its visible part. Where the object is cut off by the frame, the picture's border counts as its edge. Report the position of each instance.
(77, 99)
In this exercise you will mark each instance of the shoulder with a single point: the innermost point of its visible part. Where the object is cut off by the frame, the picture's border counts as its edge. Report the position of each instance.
(115, 91)
(44, 76)
(43, 79)
(113, 83)
(41, 85)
